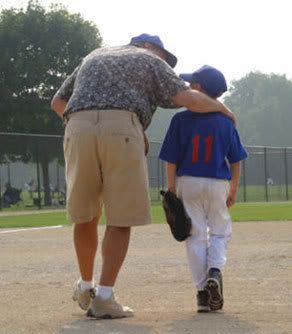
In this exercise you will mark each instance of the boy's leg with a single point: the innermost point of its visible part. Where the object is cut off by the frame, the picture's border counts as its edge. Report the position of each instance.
(219, 223)
(190, 190)
(197, 260)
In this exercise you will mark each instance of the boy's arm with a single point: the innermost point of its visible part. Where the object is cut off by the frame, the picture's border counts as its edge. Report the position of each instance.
(235, 176)
(171, 177)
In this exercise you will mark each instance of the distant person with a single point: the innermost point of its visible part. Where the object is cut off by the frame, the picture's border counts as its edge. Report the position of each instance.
(107, 103)
(195, 148)
(270, 181)
(11, 195)
(31, 187)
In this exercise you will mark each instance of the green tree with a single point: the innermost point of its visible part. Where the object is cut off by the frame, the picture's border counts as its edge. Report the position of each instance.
(39, 48)
(262, 103)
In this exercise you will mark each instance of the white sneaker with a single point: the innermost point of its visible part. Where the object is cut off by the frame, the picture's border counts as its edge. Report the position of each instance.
(108, 309)
(82, 297)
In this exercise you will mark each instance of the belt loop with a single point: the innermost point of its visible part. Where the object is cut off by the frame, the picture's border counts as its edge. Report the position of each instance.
(65, 119)
(97, 116)
(135, 119)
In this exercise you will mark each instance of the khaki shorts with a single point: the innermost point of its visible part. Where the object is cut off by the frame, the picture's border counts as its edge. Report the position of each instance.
(106, 165)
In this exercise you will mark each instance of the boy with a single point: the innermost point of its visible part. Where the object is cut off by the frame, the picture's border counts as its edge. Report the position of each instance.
(196, 148)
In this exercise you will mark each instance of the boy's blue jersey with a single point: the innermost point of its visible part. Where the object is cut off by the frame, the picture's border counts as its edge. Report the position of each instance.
(200, 143)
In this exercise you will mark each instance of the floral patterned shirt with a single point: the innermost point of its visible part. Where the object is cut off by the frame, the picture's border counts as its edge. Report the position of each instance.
(125, 77)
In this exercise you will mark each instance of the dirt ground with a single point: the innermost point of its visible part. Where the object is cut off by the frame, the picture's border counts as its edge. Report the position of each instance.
(37, 269)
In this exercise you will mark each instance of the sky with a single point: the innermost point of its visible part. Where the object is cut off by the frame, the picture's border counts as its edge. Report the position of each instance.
(236, 36)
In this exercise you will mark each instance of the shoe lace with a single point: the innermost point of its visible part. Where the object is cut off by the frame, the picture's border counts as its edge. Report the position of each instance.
(92, 293)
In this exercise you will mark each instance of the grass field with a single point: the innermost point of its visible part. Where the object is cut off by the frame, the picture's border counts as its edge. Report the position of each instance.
(240, 212)
(252, 194)
(258, 193)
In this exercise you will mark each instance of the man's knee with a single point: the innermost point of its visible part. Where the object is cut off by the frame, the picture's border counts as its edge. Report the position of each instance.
(86, 225)
(119, 229)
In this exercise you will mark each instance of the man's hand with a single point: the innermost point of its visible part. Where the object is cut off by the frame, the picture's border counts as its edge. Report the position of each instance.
(58, 105)
(226, 111)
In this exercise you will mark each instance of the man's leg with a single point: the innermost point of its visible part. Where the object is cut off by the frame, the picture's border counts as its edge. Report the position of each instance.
(84, 190)
(85, 241)
(126, 201)
(114, 249)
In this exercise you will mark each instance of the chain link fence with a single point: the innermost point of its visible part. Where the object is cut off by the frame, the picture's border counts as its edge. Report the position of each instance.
(32, 173)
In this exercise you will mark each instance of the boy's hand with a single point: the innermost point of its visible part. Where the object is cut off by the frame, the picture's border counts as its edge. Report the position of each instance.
(172, 189)
(171, 177)
(235, 172)
(231, 197)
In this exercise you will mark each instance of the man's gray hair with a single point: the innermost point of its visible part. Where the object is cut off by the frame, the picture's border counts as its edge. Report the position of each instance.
(142, 45)
(138, 44)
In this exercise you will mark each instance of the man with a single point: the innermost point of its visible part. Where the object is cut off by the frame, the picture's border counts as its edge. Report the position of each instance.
(108, 102)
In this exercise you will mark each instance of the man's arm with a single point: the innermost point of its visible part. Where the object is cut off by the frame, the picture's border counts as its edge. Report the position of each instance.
(58, 105)
(199, 102)
(59, 101)
(171, 177)
(235, 176)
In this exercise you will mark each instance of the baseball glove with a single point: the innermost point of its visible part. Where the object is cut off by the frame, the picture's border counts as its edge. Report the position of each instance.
(176, 216)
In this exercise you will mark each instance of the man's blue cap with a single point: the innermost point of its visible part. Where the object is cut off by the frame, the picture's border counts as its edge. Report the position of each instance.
(155, 40)
(210, 79)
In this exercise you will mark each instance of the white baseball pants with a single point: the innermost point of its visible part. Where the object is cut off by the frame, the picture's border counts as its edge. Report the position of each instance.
(205, 202)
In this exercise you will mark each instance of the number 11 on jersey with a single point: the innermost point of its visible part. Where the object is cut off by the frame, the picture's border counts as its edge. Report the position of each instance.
(208, 141)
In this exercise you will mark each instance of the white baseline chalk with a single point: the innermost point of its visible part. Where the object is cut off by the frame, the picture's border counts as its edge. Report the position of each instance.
(31, 229)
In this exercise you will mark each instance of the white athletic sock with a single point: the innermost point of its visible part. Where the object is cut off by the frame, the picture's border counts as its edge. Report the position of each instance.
(86, 285)
(104, 292)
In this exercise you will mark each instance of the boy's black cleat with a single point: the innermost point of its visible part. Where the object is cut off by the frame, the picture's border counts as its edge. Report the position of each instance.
(215, 288)
(203, 301)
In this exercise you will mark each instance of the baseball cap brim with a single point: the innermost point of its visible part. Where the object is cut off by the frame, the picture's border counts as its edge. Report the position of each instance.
(188, 77)
(155, 40)
(211, 80)
(170, 59)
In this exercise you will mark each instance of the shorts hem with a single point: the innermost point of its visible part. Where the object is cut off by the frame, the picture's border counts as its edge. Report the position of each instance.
(80, 220)
(127, 224)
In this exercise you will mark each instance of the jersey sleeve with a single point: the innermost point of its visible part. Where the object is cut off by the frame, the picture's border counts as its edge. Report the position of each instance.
(66, 90)
(236, 151)
(167, 84)
(170, 148)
